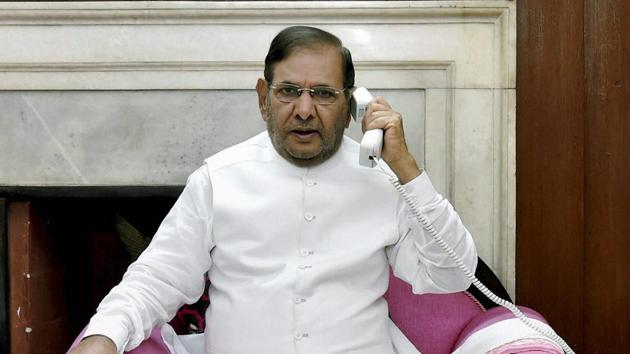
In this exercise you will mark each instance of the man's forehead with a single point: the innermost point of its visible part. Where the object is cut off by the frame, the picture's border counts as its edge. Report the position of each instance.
(318, 63)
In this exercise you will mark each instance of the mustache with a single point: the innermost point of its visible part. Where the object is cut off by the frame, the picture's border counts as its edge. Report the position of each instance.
(296, 124)
(304, 125)
(307, 124)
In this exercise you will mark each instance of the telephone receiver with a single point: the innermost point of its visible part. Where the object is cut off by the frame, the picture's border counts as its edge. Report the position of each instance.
(372, 142)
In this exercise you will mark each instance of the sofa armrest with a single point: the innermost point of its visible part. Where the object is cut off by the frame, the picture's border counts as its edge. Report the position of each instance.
(497, 331)
(152, 345)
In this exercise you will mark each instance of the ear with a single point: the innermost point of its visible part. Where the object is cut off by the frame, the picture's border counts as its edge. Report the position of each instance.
(348, 118)
(261, 90)
(347, 122)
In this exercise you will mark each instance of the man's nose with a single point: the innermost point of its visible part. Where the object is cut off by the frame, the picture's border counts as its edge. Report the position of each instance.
(304, 106)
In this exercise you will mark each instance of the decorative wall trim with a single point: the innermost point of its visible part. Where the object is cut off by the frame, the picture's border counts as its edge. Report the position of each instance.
(249, 12)
(194, 75)
(87, 58)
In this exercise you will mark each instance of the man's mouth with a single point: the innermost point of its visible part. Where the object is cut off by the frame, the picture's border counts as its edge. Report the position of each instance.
(304, 133)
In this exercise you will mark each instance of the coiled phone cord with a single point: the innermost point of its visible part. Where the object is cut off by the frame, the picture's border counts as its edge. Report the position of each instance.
(426, 224)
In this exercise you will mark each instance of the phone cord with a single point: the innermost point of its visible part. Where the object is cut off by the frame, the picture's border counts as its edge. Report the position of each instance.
(426, 224)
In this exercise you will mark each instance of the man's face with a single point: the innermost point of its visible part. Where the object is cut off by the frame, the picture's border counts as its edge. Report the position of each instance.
(303, 131)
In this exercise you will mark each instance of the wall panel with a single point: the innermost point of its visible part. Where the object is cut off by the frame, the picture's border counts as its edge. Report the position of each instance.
(550, 163)
(38, 311)
(4, 280)
(607, 173)
(573, 163)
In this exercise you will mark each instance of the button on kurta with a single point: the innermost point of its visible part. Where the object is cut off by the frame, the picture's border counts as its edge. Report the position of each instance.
(309, 217)
(305, 252)
(310, 182)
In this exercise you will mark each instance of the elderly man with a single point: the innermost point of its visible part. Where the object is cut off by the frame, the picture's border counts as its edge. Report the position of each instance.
(295, 236)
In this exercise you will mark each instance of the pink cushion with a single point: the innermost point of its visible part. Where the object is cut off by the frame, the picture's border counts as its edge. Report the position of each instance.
(493, 316)
(502, 342)
(528, 346)
(420, 317)
(152, 345)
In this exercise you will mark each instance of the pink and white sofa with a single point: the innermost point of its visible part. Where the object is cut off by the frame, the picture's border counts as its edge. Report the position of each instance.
(460, 323)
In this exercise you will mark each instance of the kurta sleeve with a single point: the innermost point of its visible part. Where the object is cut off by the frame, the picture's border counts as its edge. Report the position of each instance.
(416, 258)
(168, 274)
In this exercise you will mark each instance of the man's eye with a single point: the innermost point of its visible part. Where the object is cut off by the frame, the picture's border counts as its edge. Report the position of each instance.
(324, 92)
(289, 91)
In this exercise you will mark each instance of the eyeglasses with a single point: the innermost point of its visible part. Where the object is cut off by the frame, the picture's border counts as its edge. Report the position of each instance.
(288, 93)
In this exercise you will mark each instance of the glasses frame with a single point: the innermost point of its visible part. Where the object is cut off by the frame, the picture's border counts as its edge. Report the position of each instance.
(310, 90)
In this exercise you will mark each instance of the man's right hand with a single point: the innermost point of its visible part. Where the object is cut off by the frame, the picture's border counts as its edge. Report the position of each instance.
(96, 344)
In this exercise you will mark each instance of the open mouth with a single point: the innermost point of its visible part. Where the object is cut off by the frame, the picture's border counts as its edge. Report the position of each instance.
(304, 134)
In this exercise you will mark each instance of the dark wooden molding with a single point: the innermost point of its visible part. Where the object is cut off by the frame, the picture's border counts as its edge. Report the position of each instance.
(4, 280)
(607, 173)
(22, 192)
(573, 165)
(550, 163)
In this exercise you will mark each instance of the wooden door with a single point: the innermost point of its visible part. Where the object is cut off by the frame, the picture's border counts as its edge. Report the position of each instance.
(573, 153)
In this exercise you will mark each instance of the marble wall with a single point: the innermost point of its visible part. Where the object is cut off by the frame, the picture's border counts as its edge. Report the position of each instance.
(122, 137)
(137, 93)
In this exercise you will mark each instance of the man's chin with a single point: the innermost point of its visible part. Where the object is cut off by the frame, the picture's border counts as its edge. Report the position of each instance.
(303, 154)
(305, 158)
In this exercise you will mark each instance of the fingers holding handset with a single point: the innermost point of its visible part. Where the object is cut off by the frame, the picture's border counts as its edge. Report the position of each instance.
(381, 115)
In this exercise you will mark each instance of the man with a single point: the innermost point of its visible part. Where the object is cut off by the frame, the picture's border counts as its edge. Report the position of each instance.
(296, 237)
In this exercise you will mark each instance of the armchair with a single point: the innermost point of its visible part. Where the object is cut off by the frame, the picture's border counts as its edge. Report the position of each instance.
(464, 322)
(460, 323)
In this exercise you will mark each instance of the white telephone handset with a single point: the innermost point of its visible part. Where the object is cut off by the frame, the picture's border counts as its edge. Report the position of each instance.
(372, 142)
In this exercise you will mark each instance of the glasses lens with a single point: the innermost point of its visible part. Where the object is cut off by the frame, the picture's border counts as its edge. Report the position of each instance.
(324, 95)
(287, 93)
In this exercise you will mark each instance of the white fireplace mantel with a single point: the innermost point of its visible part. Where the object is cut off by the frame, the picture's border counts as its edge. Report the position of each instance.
(138, 93)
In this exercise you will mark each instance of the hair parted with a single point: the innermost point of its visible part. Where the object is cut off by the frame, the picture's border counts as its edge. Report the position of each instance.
(295, 37)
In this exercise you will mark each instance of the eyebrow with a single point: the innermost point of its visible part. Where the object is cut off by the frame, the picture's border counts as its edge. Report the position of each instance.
(294, 84)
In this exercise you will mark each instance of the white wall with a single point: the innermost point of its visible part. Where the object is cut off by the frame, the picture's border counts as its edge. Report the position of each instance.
(129, 93)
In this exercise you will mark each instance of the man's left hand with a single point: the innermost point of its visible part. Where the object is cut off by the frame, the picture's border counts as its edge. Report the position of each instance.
(380, 115)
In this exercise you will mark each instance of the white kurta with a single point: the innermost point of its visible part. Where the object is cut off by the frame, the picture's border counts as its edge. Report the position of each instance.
(297, 257)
